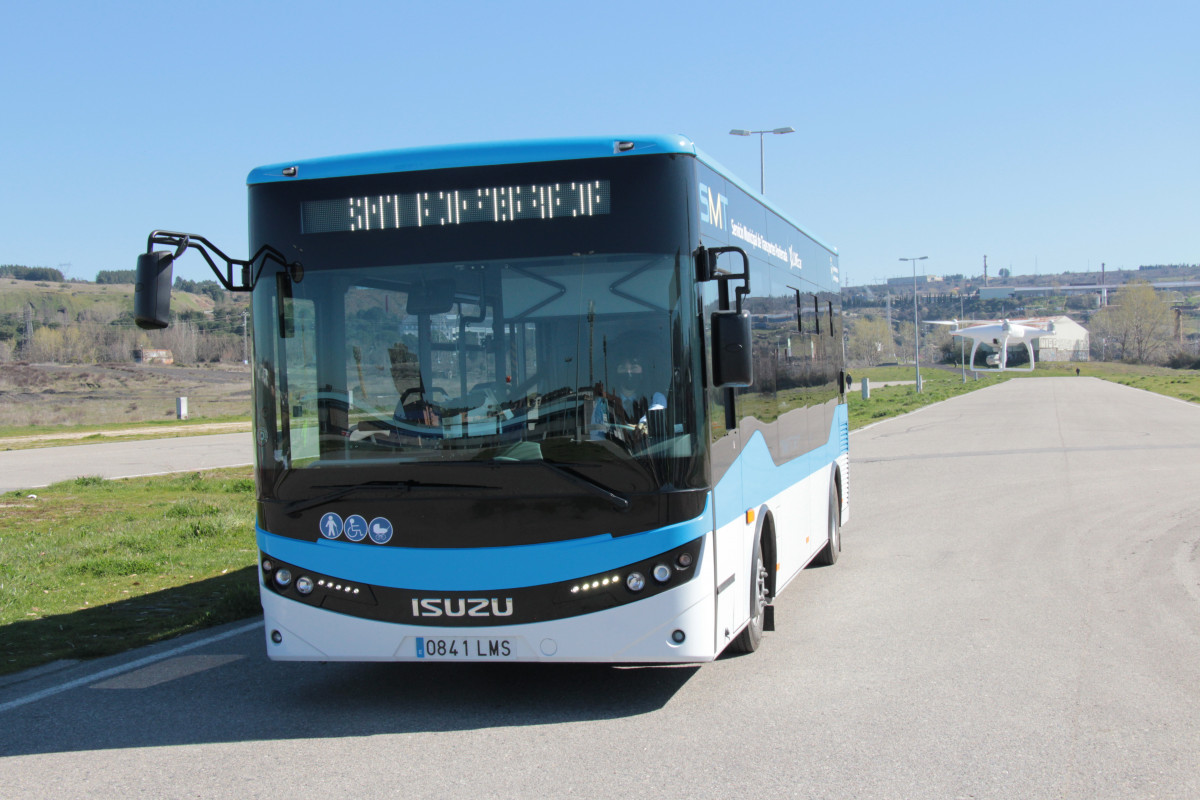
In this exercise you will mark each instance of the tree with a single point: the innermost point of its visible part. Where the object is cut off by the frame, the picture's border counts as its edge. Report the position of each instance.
(870, 341)
(31, 273)
(904, 342)
(116, 276)
(1136, 326)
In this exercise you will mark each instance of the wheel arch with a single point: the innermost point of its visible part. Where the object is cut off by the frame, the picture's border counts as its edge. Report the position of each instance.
(764, 534)
(839, 486)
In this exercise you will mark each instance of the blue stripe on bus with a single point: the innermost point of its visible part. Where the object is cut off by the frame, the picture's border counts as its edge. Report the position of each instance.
(469, 155)
(755, 478)
(479, 569)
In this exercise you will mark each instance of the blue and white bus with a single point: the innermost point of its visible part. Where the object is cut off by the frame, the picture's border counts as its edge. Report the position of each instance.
(576, 400)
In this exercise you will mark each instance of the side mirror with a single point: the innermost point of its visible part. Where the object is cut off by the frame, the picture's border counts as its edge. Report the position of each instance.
(732, 361)
(152, 292)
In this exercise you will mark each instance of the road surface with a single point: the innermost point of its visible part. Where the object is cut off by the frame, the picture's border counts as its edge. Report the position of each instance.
(30, 469)
(1016, 614)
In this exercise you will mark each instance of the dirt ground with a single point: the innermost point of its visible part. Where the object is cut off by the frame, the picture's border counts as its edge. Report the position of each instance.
(34, 395)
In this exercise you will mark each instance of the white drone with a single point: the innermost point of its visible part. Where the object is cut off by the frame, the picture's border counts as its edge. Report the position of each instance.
(998, 334)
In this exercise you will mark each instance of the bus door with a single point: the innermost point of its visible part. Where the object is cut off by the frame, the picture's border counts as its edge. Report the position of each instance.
(732, 593)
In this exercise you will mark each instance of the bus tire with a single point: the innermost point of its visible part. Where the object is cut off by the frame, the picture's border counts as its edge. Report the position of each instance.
(829, 554)
(748, 640)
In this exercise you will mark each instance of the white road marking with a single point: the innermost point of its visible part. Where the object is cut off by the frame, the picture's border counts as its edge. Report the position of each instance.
(132, 665)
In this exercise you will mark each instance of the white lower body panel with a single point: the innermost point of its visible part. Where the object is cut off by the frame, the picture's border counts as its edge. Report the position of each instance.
(641, 631)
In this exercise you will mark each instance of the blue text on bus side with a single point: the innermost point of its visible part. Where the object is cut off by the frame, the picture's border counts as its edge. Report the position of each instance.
(713, 211)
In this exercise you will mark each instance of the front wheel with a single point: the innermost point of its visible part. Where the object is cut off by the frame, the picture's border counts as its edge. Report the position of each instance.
(750, 637)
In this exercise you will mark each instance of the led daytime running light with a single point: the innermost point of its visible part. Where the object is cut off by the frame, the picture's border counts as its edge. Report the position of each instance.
(595, 583)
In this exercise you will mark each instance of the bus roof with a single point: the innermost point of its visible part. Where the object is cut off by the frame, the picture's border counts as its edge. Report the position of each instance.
(495, 153)
(470, 155)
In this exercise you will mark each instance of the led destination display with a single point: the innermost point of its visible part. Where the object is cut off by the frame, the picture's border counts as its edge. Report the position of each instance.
(494, 204)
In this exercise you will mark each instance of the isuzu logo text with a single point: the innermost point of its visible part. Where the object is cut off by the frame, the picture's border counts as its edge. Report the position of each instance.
(462, 607)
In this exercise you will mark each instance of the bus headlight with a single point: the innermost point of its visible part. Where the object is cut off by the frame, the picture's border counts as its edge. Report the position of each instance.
(283, 577)
(636, 581)
(304, 584)
(661, 573)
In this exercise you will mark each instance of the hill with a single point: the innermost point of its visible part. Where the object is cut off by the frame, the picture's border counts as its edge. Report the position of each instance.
(83, 322)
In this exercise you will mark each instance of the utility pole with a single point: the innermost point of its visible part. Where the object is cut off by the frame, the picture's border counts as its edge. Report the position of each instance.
(985, 283)
(916, 321)
(891, 330)
(28, 330)
(962, 345)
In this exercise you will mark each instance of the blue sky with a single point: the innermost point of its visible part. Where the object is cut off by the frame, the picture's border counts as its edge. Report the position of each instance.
(1049, 136)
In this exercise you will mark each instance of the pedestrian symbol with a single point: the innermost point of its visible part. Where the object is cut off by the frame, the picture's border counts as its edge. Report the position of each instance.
(331, 526)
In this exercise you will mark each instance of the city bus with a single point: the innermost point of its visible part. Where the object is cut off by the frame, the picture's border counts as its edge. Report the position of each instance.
(574, 400)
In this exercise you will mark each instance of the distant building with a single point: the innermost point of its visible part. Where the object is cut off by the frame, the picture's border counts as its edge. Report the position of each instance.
(145, 355)
(1005, 292)
(1069, 342)
(907, 283)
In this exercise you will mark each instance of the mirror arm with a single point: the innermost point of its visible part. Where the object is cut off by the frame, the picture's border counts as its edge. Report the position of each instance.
(706, 261)
(249, 274)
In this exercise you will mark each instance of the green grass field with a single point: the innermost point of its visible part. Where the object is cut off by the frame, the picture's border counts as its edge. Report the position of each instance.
(91, 567)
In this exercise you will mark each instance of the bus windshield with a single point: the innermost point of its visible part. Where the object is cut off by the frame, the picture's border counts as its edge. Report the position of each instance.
(579, 362)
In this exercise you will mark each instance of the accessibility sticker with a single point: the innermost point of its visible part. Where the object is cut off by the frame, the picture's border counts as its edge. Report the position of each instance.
(331, 526)
(381, 530)
(355, 528)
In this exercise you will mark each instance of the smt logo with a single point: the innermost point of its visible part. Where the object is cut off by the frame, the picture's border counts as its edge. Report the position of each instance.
(461, 607)
(713, 210)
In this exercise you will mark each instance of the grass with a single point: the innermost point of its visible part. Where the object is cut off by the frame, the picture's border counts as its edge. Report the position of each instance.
(891, 401)
(26, 438)
(91, 567)
(99, 427)
(37, 398)
(1182, 384)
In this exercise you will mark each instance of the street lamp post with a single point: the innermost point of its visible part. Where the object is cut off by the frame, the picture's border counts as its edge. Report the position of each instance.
(962, 345)
(916, 322)
(762, 167)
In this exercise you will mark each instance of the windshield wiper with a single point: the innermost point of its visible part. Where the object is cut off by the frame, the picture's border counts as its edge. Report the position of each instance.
(297, 506)
(618, 501)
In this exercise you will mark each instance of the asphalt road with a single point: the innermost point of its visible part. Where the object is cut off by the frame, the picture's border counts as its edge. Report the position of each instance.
(1016, 614)
(30, 469)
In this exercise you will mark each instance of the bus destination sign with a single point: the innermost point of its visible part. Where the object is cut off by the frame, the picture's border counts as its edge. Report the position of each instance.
(494, 204)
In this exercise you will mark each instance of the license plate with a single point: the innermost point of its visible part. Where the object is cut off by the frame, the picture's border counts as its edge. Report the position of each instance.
(464, 648)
